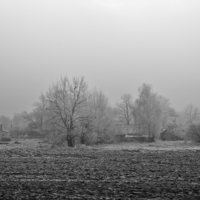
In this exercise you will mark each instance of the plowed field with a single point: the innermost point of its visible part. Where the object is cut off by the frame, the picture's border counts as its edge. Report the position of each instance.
(99, 174)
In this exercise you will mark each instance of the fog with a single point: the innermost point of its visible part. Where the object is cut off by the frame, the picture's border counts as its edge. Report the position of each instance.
(115, 44)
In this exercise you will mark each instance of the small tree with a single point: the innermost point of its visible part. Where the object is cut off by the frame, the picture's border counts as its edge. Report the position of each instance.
(97, 125)
(18, 125)
(147, 111)
(37, 119)
(194, 132)
(192, 114)
(100, 108)
(168, 114)
(125, 115)
(6, 122)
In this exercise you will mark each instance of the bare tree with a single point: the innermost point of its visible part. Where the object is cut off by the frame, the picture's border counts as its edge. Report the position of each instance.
(125, 115)
(6, 122)
(192, 114)
(65, 101)
(99, 117)
(147, 111)
(18, 121)
(37, 118)
(87, 121)
(168, 114)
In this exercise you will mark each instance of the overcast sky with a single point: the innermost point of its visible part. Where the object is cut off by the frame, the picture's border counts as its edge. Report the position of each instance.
(115, 44)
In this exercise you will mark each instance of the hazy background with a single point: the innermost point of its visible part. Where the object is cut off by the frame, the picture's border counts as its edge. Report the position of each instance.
(115, 44)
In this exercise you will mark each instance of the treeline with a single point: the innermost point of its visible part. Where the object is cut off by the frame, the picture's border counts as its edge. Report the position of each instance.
(70, 112)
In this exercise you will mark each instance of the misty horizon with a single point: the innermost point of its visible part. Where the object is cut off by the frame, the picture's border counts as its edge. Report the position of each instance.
(116, 45)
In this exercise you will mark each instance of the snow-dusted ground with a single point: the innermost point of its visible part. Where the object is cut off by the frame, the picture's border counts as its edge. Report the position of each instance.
(158, 145)
(22, 143)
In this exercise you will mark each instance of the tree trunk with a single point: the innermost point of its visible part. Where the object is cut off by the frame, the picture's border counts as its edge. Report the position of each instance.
(71, 141)
(83, 139)
(149, 132)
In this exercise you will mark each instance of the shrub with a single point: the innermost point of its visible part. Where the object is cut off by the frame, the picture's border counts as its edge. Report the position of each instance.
(91, 139)
(170, 136)
(17, 142)
(142, 138)
(171, 133)
(150, 139)
(194, 133)
(120, 138)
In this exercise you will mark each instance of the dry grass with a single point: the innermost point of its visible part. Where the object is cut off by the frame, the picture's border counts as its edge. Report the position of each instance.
(158, 145)
(23, 143)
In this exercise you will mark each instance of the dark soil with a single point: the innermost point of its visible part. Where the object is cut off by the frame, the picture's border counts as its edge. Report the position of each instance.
(94, 174)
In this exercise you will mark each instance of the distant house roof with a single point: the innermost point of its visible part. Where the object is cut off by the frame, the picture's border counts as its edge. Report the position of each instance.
(4, 134)
(1, 129)
(4, 131)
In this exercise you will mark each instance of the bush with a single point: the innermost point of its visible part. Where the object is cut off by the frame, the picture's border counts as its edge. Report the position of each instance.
(170, 136)
(171, 133)
(194, 133)
(120, 138)
(150, 139)
(91, 139)
(17, 142)
(5, 139)
(123, 138)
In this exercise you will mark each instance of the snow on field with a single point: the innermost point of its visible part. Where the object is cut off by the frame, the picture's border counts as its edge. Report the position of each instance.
(158, 145)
